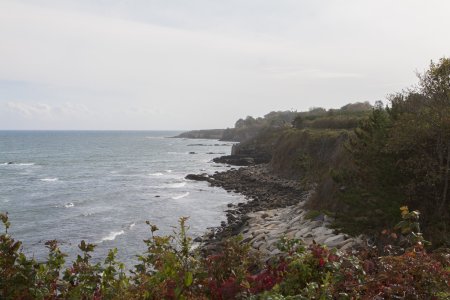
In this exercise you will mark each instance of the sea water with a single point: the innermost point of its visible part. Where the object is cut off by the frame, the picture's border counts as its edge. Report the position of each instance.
(101, 187)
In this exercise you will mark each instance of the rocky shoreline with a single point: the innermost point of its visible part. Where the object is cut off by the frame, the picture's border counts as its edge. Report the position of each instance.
(274, 209)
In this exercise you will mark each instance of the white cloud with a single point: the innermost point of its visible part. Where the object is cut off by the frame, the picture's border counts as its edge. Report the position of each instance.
(152, 64)
(46, 111)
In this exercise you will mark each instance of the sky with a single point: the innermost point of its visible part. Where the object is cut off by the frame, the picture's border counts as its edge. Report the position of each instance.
(197, 64)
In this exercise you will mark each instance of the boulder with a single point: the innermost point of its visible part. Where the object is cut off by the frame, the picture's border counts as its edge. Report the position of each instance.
(197, 177)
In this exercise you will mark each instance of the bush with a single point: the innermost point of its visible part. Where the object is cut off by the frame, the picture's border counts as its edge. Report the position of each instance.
(171, 269)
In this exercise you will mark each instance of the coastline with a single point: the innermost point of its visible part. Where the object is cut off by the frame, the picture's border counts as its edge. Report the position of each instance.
(274, 209)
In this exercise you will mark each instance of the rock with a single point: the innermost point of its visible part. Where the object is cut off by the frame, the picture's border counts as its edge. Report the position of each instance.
(321, 238)
(334, 241)
(295, 220)
(303, 231)
(273, 208)
(275, 252)
(198, 239)
(258, 244)
(320, 217)
(247, 240)
(347, 246)
(192, 152)
(231, 218)
(315, 224)
(318, 231)
(197, 177)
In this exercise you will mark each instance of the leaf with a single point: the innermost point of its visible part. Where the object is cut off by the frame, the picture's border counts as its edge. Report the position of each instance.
(188, 279)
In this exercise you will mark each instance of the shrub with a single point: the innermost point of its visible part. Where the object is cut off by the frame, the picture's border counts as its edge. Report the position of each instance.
(171, 269)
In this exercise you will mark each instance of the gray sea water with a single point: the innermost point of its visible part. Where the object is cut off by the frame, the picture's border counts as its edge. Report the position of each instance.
(101, 186)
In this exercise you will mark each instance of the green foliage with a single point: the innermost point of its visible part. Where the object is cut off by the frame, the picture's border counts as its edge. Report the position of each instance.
(401, 156)
(410, 227)
(171, 269)
(347, 117)
(168, 269)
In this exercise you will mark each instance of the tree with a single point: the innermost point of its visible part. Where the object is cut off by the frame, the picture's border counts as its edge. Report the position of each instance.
(403, 154)
(421, 136)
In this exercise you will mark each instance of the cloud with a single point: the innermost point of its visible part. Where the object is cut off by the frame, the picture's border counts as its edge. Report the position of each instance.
(46, 111)
(152, 64)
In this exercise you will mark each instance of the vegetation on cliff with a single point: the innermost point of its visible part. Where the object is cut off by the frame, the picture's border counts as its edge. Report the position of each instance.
(401, 156)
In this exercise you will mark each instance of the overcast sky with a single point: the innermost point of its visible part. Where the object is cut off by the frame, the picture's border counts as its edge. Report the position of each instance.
(150, 64)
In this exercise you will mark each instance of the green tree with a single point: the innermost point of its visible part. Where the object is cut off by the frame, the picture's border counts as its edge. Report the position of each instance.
(401, 156)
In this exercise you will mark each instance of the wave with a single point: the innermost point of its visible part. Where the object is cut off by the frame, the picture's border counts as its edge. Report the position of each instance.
(156, 174)
(70, 204)
(132, 225)
(180, 196)
(49, 179)
(176, 185)
(10, 163)
(112, 235)
(169, 171)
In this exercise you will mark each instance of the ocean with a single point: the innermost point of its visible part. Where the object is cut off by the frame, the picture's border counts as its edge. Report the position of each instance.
(101, 187)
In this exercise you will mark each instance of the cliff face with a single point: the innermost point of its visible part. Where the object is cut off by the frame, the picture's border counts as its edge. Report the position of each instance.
(240, 134)
(308, 153)
(312, 157)
(309, 156)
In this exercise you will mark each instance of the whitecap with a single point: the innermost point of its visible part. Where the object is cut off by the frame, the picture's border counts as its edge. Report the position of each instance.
(156, 174)
(16, 164)
(70, 204)
(112, 235)
(132, 225)
(49, 179)
(180, 196)
(169, 171)
(176, 185)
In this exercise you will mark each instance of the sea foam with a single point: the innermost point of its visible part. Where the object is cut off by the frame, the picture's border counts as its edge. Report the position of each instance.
(49, 179)
(156, 174)
(176, 185)
(112, 235)
(180, 196)
(16, 164)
